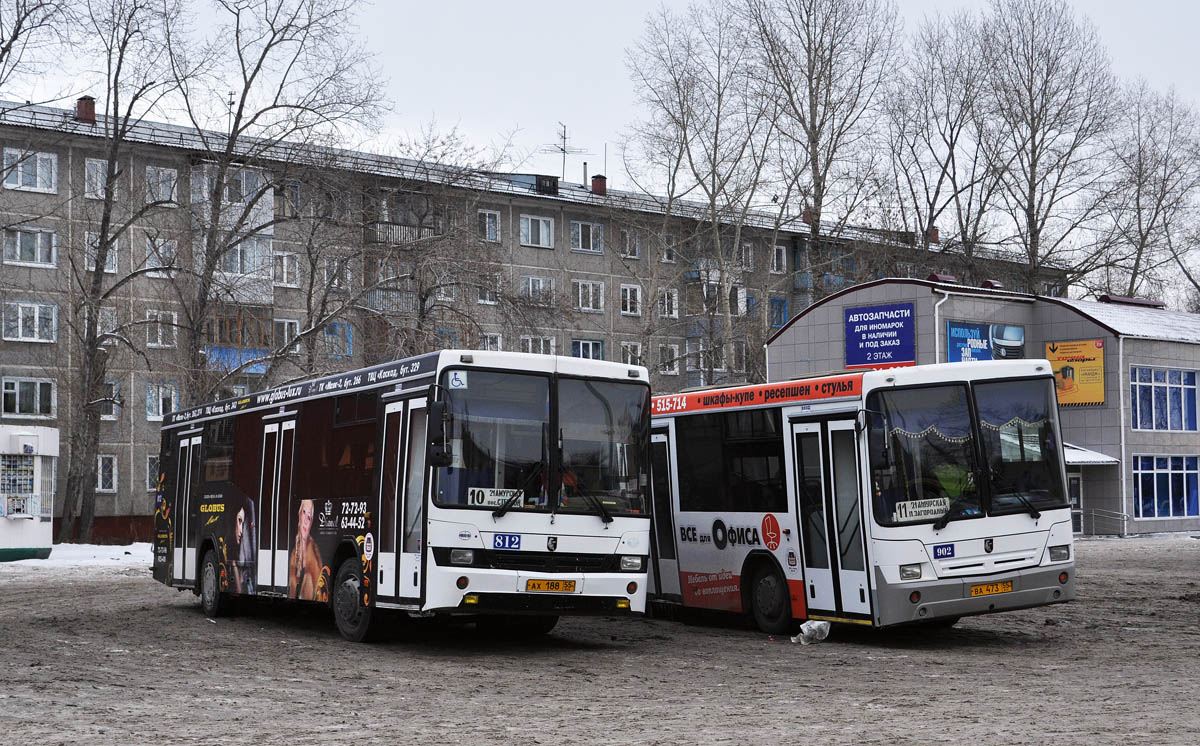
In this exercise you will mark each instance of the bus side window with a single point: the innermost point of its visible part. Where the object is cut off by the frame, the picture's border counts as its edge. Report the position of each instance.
(413, 496)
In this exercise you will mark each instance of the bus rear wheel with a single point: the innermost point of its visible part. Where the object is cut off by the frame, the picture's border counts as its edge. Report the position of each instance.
(352, 617)
(213, 602)
(769, 601)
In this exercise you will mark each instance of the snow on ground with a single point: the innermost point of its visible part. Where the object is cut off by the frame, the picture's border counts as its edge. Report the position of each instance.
(87, 555)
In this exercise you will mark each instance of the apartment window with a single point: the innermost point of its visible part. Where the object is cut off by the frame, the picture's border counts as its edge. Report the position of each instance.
(631, 243)
(590, 349)
(537, 232)
(631, 353)
(95, 176)
(1166, 486)
(779, 259)
(91, 247)
(539, 290)
(668, 360)
(589, 296)
(106, 473)
(242, 185)
(737, 354)
(160, 254)
(246, 257)
(287, 330)
(1163, 399)
(489, 289)
(747, 256)
(631, 300)
(587, 237)
(160, 185)
(239, 326)
(161, 398)
(108, 405)
(489, 225)
(33, 246)
(668, 303)
(152, 472)
(288, 201)
(106, 324)
(29, 171)
(339, 340)
(285, 271)
(29, 397)
(491, 342)
(160, 329)
(668, 254)
(537, 345)
(777, 314)
(337, 273)
(30, 322)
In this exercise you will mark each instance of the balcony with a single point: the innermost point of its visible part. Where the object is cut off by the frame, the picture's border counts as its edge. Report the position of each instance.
(397, 234)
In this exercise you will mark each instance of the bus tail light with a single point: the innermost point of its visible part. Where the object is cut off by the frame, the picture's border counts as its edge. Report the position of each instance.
(462, 556)
(910, 572)
(632, 563)
(1060, 553)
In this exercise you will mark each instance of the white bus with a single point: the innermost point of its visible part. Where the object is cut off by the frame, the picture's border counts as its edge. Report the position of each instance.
(919, 494)
(508, 487)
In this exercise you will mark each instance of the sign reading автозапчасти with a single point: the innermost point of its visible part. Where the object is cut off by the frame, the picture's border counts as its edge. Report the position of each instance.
(880, 336)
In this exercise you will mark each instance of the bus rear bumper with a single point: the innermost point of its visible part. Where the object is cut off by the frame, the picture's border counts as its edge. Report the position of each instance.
(951, 597)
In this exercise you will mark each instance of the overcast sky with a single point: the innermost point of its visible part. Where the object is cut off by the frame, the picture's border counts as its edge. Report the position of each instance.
(494, 69)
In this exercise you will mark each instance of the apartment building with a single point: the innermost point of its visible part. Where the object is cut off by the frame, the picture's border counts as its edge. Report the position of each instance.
(344, 259)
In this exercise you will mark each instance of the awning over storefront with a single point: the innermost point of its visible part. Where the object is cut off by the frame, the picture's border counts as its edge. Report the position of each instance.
(1078, 456)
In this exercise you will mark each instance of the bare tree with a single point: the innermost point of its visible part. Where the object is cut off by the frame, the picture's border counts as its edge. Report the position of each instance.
(1050, 96)
(1155, 183)
(30, 35)
(128, 39)
(298, 83)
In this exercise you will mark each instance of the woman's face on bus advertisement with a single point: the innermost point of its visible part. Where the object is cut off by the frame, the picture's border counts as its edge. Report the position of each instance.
(240, 525)
(306, 516)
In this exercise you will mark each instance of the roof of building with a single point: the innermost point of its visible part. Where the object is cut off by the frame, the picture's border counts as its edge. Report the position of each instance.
(1080, 456)
(1122, 320)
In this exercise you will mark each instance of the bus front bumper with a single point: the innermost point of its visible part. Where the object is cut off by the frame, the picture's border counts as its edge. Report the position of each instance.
(952, 597)
(508, 592)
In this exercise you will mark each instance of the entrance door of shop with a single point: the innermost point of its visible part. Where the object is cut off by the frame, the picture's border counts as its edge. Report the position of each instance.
(1075, 495)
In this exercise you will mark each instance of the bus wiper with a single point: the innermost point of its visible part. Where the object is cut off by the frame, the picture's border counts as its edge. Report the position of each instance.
(951, 511)
(1028, 505)
(500, 511)
(600, 509)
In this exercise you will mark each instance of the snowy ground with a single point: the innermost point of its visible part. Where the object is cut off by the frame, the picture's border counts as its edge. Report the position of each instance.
(96, 652)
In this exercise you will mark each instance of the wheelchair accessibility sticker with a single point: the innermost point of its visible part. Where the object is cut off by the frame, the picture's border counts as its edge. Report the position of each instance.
(458, 379)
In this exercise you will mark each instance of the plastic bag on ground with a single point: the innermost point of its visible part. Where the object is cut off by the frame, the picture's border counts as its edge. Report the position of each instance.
(812, 631)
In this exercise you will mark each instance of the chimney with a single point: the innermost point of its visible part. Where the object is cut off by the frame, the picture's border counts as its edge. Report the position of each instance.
(1127, 301)
(584, 173)
(85, 110)
(807, 217)
(991, 285)
(947, 279)
(599, 185)
(933, 235)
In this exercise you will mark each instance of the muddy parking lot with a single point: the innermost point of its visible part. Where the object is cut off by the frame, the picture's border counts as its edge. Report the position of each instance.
(104, 655)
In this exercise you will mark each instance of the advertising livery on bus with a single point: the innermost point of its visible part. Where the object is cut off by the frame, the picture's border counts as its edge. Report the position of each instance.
(880, 498)
(505, 486)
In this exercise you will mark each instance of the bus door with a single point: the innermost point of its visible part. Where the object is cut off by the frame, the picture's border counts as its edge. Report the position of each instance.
(665, 562)
(410, 509)
(274, 495)
(807, 486)
(187, 480)
(392, 461)
(845, 510)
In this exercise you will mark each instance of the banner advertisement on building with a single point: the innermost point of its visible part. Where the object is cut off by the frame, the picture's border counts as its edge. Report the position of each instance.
(1078, 371)
(880, 336)
(968, 341)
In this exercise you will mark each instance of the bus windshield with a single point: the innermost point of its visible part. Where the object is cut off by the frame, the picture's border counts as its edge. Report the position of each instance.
(1017, 427)
(922, 454)
(503, 452)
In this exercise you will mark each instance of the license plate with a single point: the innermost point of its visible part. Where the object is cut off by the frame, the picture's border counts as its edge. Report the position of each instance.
(550, 586)
(988, 589)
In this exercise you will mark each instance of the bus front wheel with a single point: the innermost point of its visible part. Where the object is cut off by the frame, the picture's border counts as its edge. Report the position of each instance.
(213, 602)
(769, 601)
(352, 617)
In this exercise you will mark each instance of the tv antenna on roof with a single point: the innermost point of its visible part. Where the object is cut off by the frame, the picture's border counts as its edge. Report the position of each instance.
(562, 147)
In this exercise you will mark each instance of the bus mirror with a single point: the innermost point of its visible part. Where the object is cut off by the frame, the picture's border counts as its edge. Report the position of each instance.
(438, 455)
(877, 442)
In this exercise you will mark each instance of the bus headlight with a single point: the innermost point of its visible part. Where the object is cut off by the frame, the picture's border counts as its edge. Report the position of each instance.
(632, 563)
(462, 556)
(1061, 553)
(910, 572)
